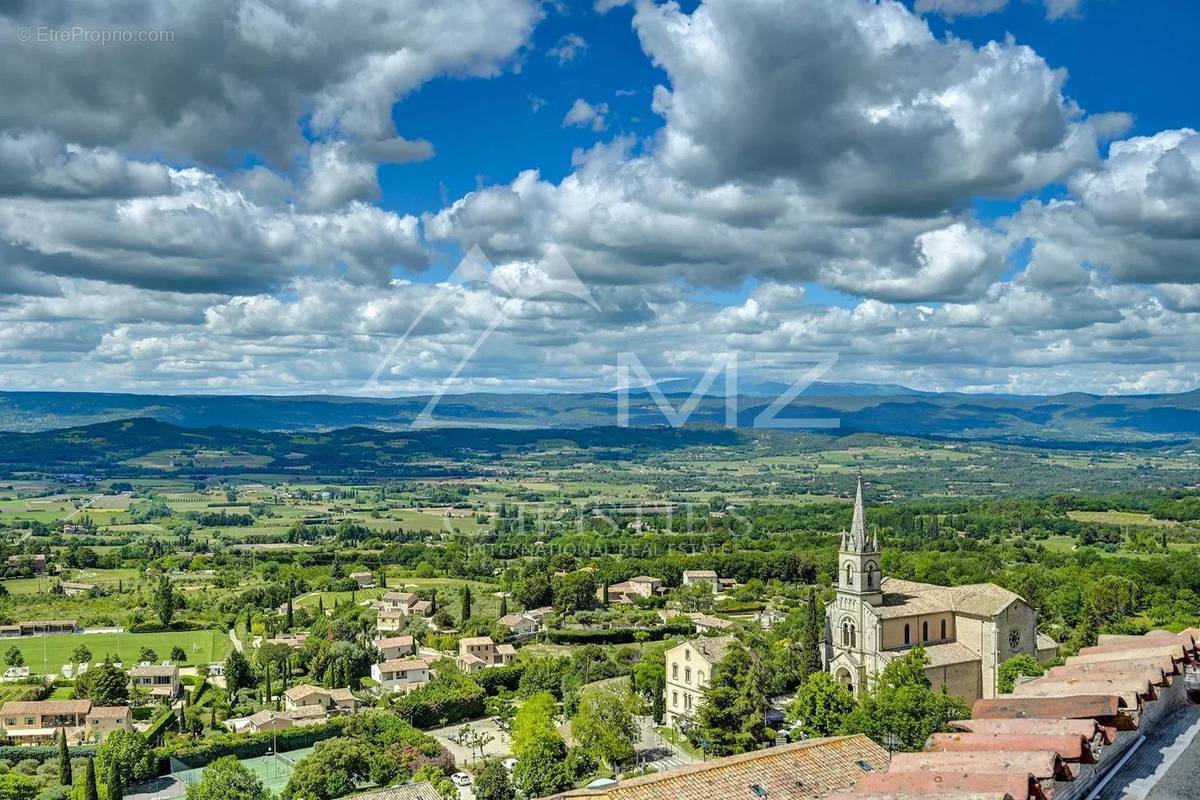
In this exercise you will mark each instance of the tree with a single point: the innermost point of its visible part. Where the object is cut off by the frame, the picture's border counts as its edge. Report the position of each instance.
(178, 654)
(812, 637)
(13, 657)
(905, 705)
(540, 751)
(164, 600)
(81, 655)
(147, 654)
(227, 779)
(122, 759)
(64, 759)
(605, 725)
(542, 769)
(504, 606)
(238, 674)
(731, 716)
(104, 685)
(1015, 667)
(574, 591)
(694, 597)
(821, 705)
(87, 791)
(649, 677)
(333, 769)
(534, 721)
(492, 783)
(466, 602)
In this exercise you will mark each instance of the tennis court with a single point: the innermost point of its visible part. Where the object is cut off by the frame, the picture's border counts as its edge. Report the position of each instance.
(273, 770)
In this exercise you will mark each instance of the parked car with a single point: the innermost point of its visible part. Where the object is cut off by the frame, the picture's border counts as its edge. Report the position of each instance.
(461, 779)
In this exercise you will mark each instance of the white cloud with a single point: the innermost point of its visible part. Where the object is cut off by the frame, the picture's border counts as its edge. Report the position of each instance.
(583, 114)
(237, 74)
(1055, 9)
(568, 48)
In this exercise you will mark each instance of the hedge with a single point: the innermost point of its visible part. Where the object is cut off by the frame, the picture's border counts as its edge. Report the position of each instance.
(160, 725)
(618, 635)
(41, 753)
(445, 700)
(493, 679)
(199, 753)
(177, 625)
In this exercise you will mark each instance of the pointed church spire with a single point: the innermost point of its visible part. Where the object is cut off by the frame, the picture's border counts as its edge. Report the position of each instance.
(858, 528)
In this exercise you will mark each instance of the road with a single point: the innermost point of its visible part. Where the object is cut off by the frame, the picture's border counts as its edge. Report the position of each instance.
(1166, 766)
(655, 751)
(237, 643)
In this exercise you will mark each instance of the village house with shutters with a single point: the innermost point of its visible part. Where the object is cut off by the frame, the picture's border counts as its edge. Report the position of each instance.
(967, 631)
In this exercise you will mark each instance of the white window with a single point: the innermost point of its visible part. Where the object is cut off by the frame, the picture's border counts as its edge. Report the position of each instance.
(674, 699)
(687, 675)
(674, 672)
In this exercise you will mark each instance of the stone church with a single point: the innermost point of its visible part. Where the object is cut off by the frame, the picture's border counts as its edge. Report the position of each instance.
(967, 631)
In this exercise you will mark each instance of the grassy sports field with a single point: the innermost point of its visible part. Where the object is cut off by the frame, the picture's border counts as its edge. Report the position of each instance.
(47, 654)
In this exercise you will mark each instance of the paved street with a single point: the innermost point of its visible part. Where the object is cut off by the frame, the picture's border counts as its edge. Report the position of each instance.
(1166, 766)
(655, 751)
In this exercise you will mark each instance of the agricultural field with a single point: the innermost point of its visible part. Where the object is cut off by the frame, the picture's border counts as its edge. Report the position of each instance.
(1121, 518)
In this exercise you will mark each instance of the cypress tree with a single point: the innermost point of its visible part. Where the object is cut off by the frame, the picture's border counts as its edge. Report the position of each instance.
(113, 788)
(289, 611)
(466, 602)
(504, 606)
(64, 759)
(89, 781)
(811, 644)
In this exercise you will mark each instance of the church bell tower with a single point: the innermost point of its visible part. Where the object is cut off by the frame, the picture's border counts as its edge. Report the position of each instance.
(859, 560)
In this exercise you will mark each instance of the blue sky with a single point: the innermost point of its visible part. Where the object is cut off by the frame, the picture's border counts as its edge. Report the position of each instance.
(273, 197)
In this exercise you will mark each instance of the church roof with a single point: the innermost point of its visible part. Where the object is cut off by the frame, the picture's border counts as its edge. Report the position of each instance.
(908, 598)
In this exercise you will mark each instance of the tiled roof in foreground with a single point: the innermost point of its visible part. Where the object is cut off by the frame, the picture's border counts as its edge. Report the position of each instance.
(797, 771)
(1054, 736)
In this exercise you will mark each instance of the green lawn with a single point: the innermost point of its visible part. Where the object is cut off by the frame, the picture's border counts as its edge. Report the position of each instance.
(47, 654)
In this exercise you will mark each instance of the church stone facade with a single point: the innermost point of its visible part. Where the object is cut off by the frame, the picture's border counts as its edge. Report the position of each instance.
(967, 631)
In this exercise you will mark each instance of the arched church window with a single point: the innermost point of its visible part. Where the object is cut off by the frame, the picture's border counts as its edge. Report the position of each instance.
(870, 575)
(925, 631)
(853, 635)
(907, 636)
(943, 629)
(849, 576)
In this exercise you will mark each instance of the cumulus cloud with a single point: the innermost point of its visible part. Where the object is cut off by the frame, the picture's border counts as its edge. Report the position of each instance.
(583, 114)
(858, 101)
(236, 75)
(204, 235)
(39, 163)
(1135, 216)
(837, 148)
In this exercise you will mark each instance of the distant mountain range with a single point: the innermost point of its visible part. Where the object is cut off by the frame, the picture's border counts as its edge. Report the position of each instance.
(1063, 420)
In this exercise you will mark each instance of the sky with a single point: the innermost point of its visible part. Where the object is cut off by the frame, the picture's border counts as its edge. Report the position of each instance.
(387, 197)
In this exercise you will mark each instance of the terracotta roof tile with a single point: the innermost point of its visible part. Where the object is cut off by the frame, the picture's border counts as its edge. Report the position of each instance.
(1080, 706)
(1040, 764)
(790, 772)
(1069, 747)
(958, 783)
(1087, 728)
